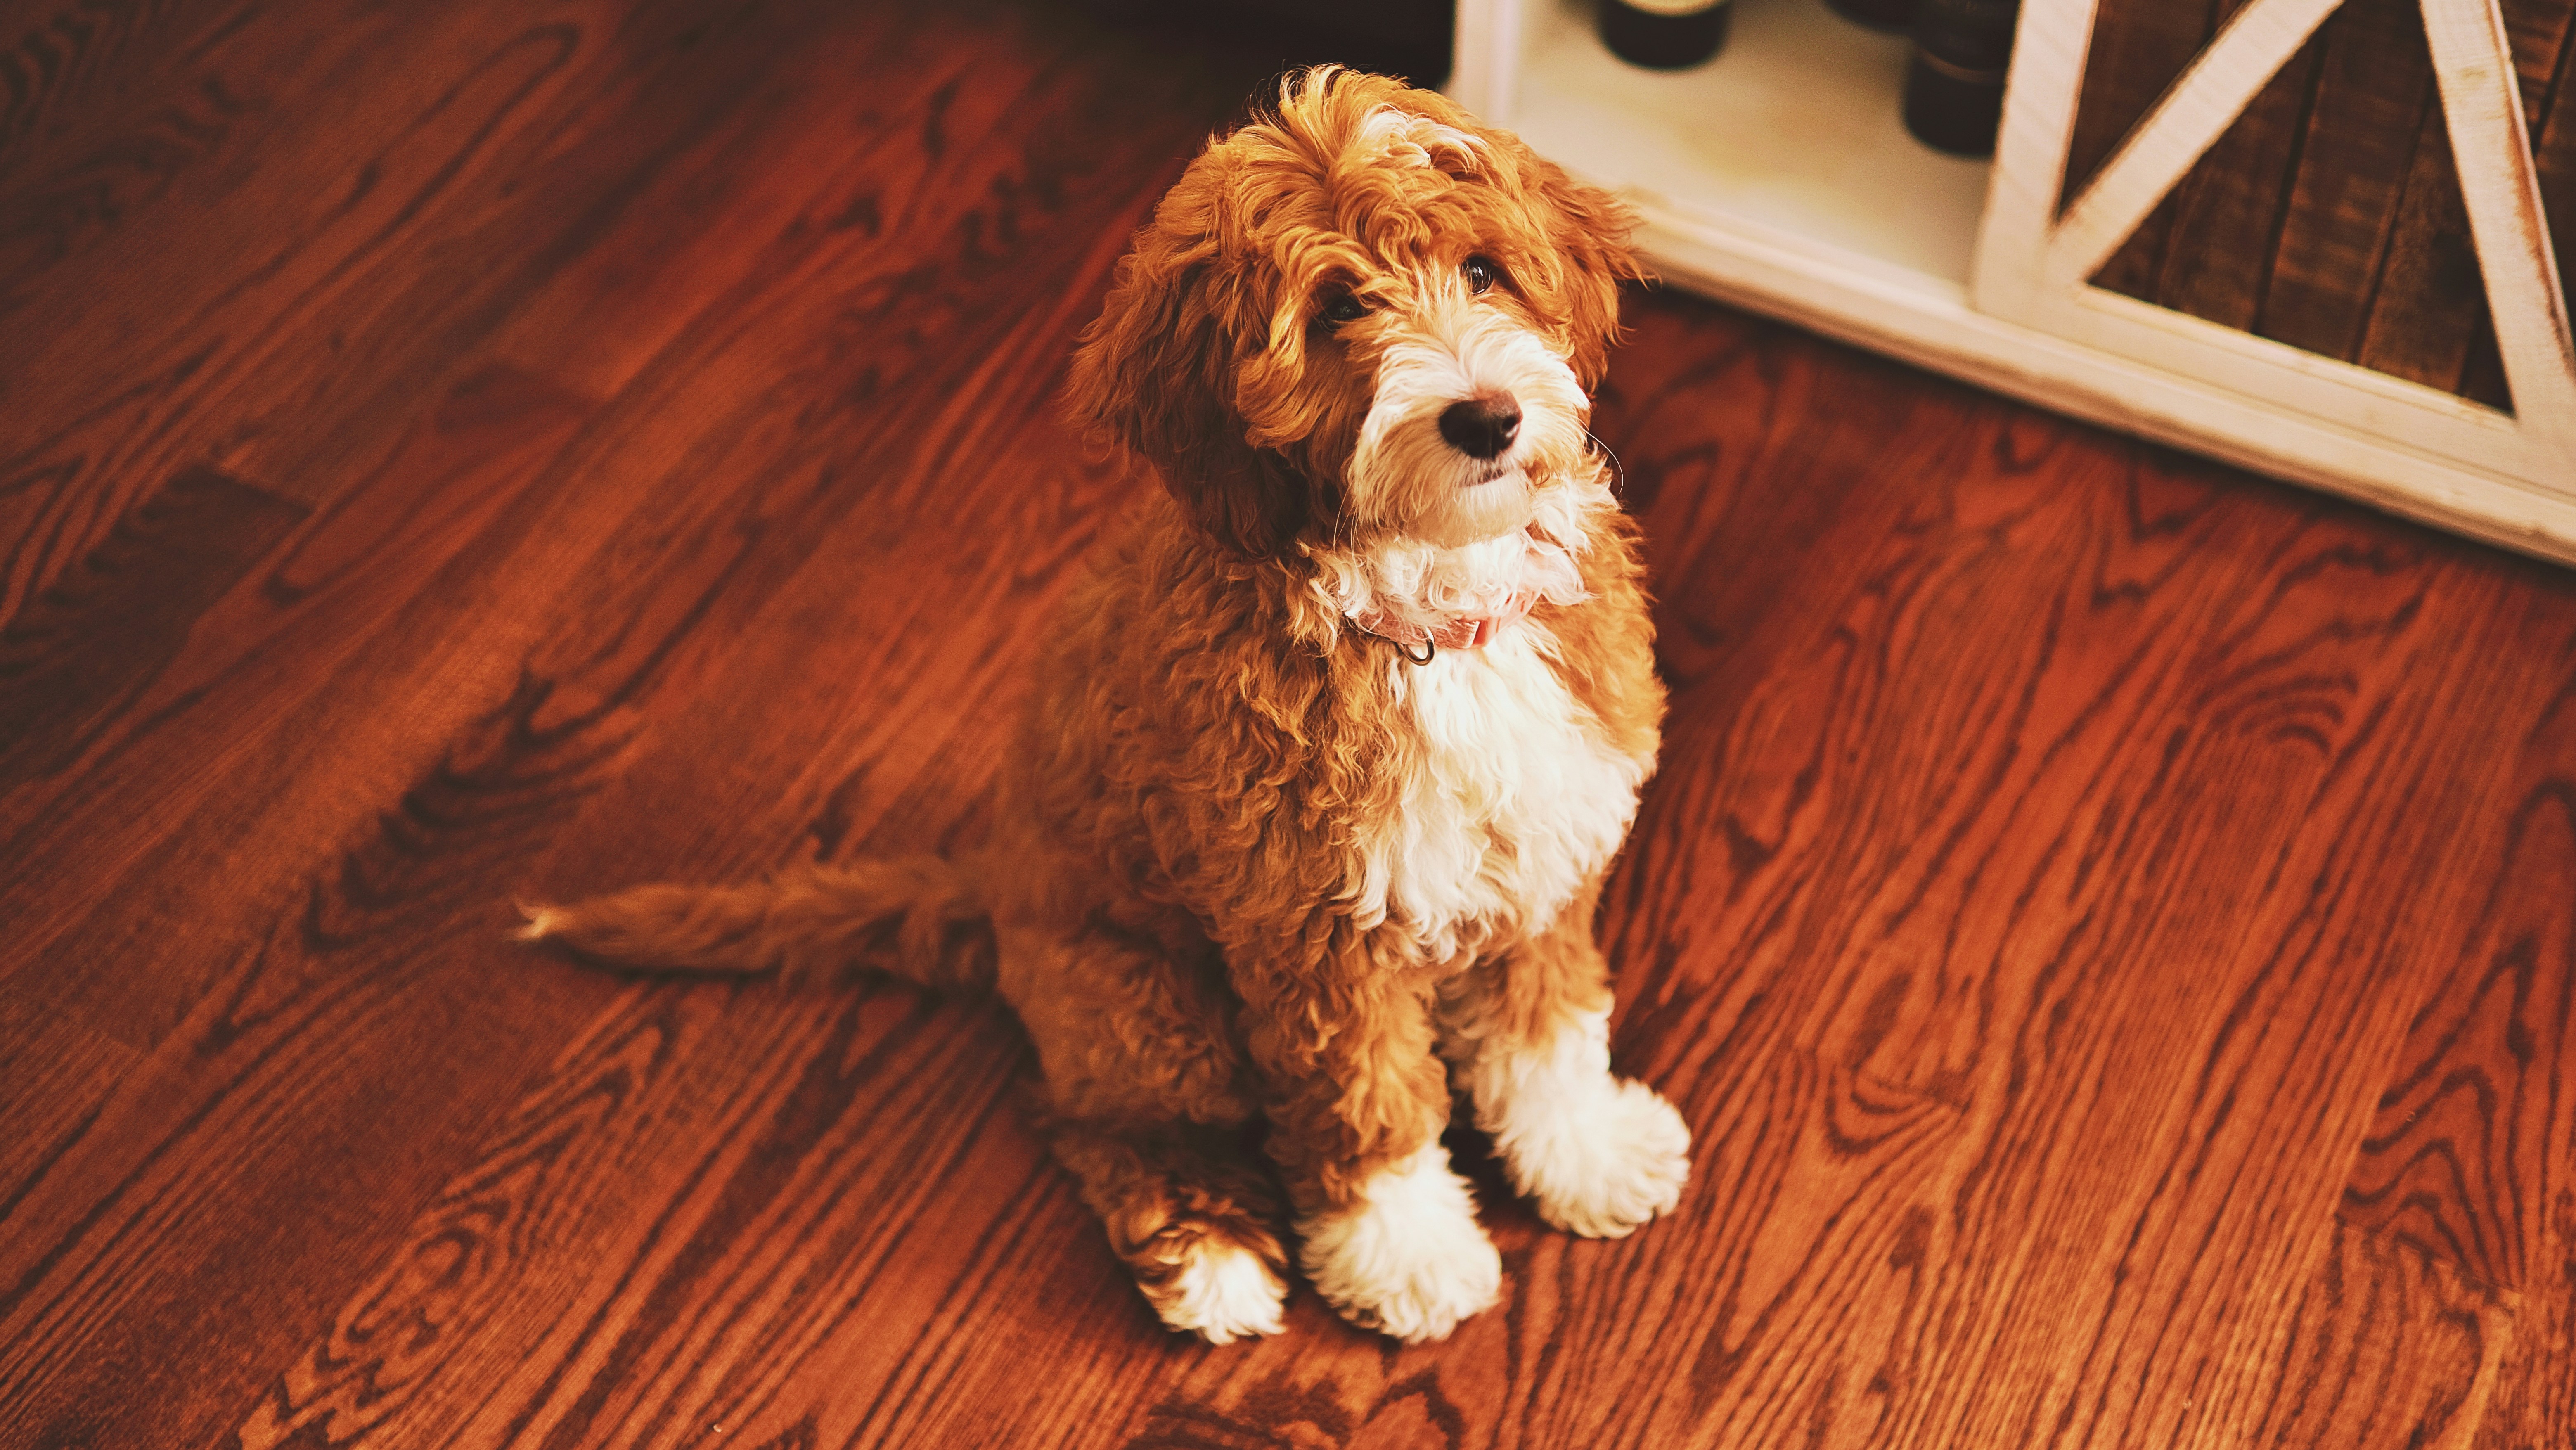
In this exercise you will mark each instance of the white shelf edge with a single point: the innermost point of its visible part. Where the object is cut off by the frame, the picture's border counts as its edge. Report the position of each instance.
(1927, 321)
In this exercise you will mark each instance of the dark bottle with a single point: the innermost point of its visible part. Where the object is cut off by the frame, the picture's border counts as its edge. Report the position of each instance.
(1896, 15)
(1664, 34)
(1954, 85)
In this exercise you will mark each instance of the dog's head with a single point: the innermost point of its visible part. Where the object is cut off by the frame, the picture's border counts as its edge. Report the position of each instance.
(1360, 316)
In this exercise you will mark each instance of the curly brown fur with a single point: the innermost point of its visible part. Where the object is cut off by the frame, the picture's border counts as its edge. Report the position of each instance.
(1252, 869)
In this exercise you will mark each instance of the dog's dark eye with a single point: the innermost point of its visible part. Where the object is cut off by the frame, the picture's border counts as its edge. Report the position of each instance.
(1481, 274)
(1343, 308)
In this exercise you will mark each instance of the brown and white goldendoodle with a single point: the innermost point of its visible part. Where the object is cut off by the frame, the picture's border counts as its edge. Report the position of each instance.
(1319, 784)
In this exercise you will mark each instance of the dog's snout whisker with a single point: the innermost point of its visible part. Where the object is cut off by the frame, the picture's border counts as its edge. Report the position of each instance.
(1482, 426)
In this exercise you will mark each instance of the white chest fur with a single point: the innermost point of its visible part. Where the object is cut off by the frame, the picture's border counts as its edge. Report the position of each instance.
(1511, 799)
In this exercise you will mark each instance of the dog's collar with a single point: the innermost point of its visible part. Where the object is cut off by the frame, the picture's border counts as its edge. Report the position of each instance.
(1456, 631)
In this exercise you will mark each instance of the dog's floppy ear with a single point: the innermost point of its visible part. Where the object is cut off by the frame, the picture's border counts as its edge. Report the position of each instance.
(1156, 374)
(1591, 230)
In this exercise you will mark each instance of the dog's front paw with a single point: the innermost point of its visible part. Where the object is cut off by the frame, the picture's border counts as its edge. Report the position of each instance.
(1409, 1258)
(1603, 1164)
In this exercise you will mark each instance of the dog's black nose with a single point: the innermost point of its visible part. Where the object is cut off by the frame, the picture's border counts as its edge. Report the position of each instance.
(1481, 426)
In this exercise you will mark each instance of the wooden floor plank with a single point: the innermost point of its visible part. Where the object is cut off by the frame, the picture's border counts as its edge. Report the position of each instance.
(102, 107)
(2387, 1347)
(235, 1185)
(60, 1074)
(2473, 1129)
(137, 343)
(302, 704)
(532, 1300)
(104, 633)
(2471, 1160)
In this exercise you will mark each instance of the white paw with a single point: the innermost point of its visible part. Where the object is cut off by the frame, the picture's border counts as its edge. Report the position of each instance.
(1224, 1293)
(1604, 1162)
(1409, 1258)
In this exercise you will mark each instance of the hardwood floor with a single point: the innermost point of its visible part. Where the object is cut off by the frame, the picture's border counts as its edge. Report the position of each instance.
(2110, 921)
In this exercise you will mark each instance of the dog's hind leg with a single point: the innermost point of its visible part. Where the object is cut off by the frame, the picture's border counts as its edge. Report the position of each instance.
(1145, 1101)
(1190, 1211)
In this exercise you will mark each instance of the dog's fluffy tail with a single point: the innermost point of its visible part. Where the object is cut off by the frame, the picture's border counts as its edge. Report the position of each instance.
(919, 917)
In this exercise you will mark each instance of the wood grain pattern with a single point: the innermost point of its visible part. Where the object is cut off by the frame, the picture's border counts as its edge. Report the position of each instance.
(2106, 919)
(59, 1073)
(2468, 1160)
(2374, 108)
(100, 636)
(2434, 304)
(2543, 62)
(2223, 224)
(2136, 52)
(2391, 1348)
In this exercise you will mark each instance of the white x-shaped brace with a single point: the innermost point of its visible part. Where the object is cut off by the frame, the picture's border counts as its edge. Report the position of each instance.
(2482, 108)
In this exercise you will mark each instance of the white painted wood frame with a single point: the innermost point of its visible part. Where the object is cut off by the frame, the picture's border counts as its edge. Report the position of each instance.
(2032, 265)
